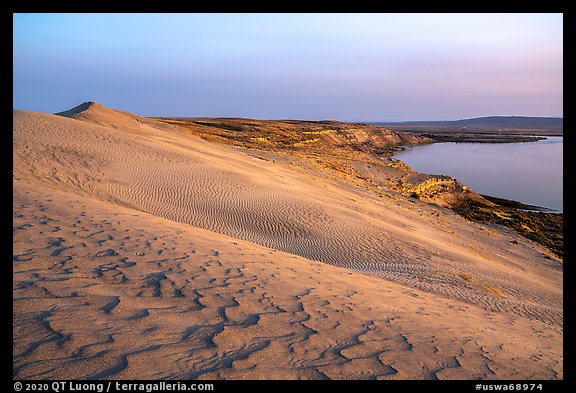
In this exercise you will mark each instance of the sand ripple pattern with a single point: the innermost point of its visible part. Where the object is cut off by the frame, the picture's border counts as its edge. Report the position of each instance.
(105, 292)
(236, 206)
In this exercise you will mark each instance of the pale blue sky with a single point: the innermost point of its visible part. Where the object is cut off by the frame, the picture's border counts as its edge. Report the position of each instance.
(354, 67)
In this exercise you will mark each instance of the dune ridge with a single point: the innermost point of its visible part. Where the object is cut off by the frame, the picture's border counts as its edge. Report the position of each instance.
(99, 114)
(287, 213)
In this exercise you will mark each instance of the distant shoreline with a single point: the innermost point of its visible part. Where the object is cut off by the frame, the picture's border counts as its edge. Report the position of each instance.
(510, 203)
(481, 138)
(487, 131)
(496, 125)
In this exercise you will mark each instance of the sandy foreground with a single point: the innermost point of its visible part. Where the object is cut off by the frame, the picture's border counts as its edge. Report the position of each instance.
(142, 252)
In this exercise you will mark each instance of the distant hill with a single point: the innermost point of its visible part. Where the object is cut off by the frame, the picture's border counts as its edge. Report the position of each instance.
(483, 124)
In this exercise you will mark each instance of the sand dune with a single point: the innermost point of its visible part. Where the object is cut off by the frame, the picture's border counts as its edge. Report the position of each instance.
(222, 265)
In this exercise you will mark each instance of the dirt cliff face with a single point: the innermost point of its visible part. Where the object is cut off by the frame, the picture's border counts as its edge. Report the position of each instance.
(294, 135)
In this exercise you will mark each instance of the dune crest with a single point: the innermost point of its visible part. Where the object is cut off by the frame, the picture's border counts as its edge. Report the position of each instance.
(77, 109)
(94, 113)
(119, 171)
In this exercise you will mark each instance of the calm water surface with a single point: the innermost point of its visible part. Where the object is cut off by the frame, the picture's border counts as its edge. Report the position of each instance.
(529, 172)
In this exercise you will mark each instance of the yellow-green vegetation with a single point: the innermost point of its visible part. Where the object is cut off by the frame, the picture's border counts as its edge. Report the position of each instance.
(541, 227)
(318, 132)
(302, 143)
(427, 184)
(394, 163)
(260, 139)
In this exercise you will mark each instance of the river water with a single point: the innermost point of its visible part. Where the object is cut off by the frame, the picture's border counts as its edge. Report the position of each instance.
(528, 172)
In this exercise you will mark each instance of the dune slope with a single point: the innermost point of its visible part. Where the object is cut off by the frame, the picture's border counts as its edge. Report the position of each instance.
(290, 266)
